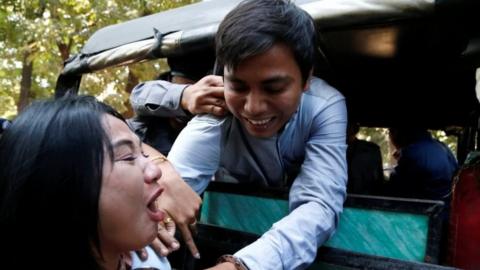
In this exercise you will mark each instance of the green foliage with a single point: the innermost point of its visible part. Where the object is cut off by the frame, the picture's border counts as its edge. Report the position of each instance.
(50, 31)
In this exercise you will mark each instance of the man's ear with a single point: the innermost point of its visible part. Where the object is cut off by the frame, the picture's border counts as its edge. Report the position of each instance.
(307, 82)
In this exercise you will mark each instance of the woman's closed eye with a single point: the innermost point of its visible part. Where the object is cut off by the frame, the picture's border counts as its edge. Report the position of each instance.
(127, 151)
(128, 158)
(131, 157)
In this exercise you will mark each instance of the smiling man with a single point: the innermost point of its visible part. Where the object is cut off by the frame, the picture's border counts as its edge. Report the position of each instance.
(285, 126)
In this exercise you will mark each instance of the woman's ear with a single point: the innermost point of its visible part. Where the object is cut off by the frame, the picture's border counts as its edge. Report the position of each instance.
(307, 82)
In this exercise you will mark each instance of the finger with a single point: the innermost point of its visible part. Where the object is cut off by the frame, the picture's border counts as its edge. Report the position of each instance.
(210, 100)
(193, 228)
(220, 103)
(217, 92)
(170, 227)
(167, 239)
(213, 80)
(187, 237)
(219, 106)
(160, 248)
(127, 258)
(216, 110)
(142, 254)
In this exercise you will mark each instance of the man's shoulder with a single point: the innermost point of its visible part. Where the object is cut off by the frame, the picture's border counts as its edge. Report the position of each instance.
(211, 119)
(322, 90)
(319, 96)
(208, 122)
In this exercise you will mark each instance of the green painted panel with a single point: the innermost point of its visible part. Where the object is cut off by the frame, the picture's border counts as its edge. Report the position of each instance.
(243, 213)
(388, 234)
(382, 233)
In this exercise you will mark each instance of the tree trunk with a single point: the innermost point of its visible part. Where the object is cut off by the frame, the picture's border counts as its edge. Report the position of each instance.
(132, 81)
(26, 82)
(64, 49)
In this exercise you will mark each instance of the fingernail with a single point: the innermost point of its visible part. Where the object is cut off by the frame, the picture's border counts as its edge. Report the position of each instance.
(164, 251)
(144, 255)
(175, 245)
(196, 255)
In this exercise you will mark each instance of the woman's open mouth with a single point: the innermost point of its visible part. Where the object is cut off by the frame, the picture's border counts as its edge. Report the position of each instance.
(153, 211)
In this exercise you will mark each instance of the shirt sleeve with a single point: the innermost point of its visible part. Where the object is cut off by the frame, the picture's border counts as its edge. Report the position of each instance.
(315, 200)
(196, 151)
(158, 98)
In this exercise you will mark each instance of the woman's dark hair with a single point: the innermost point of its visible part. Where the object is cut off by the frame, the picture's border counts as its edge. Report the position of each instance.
(255, 26)
(50, 179)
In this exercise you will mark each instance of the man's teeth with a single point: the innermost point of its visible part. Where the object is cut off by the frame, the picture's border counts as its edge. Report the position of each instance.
(259, 122)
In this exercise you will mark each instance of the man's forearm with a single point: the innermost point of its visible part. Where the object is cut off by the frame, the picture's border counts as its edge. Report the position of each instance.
(158, 98)
(293, 241)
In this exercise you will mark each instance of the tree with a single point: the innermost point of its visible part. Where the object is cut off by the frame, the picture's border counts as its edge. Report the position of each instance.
(38, 35)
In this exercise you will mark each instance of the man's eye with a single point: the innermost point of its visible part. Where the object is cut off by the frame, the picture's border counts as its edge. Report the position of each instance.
(238, 88)
(274, 90)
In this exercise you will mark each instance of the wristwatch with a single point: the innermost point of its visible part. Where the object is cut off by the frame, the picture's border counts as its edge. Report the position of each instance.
(239, 265)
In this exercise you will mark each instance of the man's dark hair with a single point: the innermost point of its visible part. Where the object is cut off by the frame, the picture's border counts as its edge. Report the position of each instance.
(403, 136)
(255, 26)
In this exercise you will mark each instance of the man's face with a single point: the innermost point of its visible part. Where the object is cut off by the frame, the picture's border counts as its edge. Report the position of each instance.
(264, 90)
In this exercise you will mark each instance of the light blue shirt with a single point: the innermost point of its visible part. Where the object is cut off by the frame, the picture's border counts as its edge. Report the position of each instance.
(153, 261)
(313, 143)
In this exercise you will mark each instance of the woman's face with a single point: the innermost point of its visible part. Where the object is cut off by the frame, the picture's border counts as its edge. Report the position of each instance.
(128, 214)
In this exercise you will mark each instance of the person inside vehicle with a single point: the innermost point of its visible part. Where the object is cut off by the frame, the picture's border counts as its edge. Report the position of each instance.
(425, 170)
(286, 125)
(75, 183)
(364, 159)
(174, 98)
(425, 166)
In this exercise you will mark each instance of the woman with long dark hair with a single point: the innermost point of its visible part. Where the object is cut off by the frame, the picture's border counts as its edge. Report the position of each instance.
(76, 190)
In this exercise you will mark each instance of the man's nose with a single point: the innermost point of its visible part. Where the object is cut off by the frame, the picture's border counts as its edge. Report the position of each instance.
(255, 103)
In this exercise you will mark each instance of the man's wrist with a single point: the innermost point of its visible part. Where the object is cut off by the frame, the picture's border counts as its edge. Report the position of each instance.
(237, 263)
(184, 99)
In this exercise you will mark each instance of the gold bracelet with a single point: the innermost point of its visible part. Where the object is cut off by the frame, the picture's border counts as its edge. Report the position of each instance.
(239, 265)
(161, 158)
